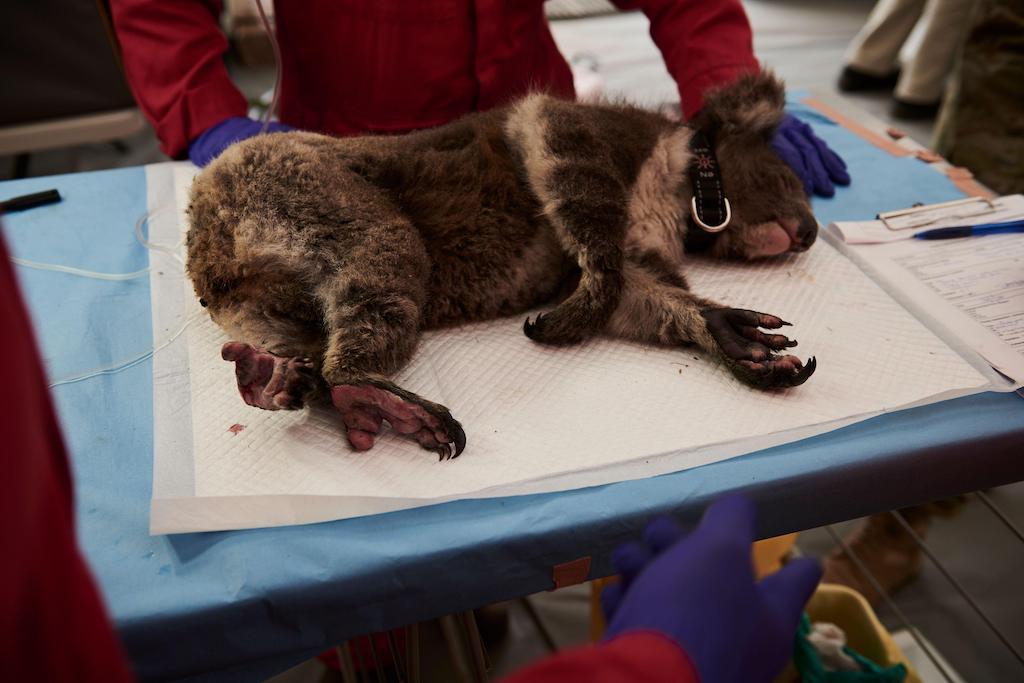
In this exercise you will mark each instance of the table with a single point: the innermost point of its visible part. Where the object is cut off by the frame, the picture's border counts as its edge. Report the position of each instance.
(240, 605)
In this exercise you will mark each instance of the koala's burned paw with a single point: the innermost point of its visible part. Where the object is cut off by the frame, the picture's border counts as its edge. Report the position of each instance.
(268, 381)
(366, 405)
(751, 353)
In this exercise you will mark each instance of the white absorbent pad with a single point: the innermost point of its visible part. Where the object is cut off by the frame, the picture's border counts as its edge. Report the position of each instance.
(536, 418)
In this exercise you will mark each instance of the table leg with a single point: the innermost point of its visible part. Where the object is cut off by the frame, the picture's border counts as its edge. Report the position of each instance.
(348, 670)
(412, 653)
(455, 641)
(476, 645)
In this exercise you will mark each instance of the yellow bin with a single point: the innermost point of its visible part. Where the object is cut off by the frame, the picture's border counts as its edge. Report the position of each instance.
(847, 609)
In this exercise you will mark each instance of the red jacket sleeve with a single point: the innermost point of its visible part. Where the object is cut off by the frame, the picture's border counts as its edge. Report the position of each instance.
(52, 623)
(173, 55)
(704, 43)
(640, 657)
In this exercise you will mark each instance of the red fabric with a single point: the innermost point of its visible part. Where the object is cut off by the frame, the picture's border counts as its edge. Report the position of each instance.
(53, 625)
(639, 657)
(394, 65)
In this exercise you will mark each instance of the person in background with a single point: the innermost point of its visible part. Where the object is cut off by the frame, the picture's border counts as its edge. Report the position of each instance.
(981, 125)
(688, 608)
(367, 66)
(872, 61)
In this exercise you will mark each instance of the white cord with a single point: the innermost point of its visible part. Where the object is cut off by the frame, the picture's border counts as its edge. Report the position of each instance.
(272, 109)
(78, 271)
(115, 368)
(173, 252)
(70, 270)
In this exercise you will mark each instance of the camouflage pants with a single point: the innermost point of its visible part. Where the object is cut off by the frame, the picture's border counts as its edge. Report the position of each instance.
(982, 121)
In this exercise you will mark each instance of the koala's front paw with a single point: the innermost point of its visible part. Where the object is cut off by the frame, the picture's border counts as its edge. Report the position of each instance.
(268, 381)
(750, 353)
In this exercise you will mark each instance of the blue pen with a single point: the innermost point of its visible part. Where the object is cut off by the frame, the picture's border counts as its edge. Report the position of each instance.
(970, 230)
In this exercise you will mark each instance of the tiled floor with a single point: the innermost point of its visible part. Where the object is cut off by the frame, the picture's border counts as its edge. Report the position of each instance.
(804, 41)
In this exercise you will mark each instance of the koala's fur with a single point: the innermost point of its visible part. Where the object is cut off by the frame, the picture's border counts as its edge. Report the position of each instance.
(342, 250)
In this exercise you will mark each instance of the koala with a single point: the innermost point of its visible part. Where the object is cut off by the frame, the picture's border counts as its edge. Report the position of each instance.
(325, 258)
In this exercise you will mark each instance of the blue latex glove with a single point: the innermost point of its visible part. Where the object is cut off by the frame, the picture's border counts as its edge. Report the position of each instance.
(700, 591)
(818, 167)
(216, 139)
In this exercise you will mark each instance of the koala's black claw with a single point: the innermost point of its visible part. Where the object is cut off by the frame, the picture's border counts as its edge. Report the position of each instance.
(533, 329)
(454, 448)
(453, 428)
(804, 373)
(460, 439)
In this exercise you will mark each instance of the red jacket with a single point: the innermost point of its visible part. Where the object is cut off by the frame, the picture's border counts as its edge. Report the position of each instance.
(52, 625)
(387, 66)
(640, 657)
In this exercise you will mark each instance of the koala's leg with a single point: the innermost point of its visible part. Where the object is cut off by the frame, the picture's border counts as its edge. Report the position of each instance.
(654, 308)
(586, 202)
(372, 307)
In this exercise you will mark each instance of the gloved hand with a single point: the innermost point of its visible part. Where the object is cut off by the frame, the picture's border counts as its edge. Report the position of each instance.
(700, 591)
(817, 166)
(216, 139)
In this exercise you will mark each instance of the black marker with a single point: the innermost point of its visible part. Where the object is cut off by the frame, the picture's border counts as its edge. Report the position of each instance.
(29, 201)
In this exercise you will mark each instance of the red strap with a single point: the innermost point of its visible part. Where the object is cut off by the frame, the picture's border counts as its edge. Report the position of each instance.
(571, 573)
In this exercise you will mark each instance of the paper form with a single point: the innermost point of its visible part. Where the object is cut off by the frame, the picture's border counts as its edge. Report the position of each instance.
(973, 286)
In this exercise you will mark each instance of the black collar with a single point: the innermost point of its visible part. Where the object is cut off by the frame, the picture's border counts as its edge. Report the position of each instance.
(709, 208)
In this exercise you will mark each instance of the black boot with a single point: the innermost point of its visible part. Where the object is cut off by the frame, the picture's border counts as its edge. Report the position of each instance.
(912, 111)
(855, 80)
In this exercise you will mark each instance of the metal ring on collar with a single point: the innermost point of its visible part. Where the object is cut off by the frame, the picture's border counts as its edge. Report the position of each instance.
(711, 228)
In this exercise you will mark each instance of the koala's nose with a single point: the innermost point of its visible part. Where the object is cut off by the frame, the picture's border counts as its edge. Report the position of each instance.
(807, 232)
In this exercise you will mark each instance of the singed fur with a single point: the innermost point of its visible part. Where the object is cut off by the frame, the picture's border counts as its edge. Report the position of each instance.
(343, 250)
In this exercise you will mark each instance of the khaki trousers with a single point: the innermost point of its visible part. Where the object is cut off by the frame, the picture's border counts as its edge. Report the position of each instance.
(876, 49)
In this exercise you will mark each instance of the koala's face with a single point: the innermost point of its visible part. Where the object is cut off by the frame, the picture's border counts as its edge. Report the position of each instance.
(770, 211)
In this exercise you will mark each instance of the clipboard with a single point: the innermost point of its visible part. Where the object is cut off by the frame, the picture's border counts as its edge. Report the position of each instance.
(926, 215)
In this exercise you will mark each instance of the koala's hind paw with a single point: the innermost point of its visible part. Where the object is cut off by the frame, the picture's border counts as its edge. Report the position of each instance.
(750, 353)
(268, 381)
(364, 407)
(555, 328)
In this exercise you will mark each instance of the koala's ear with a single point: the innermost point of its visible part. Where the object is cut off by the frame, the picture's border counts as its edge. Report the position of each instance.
(753, 104)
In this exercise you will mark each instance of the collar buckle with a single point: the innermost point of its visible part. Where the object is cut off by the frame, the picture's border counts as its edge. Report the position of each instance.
(704, 226)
